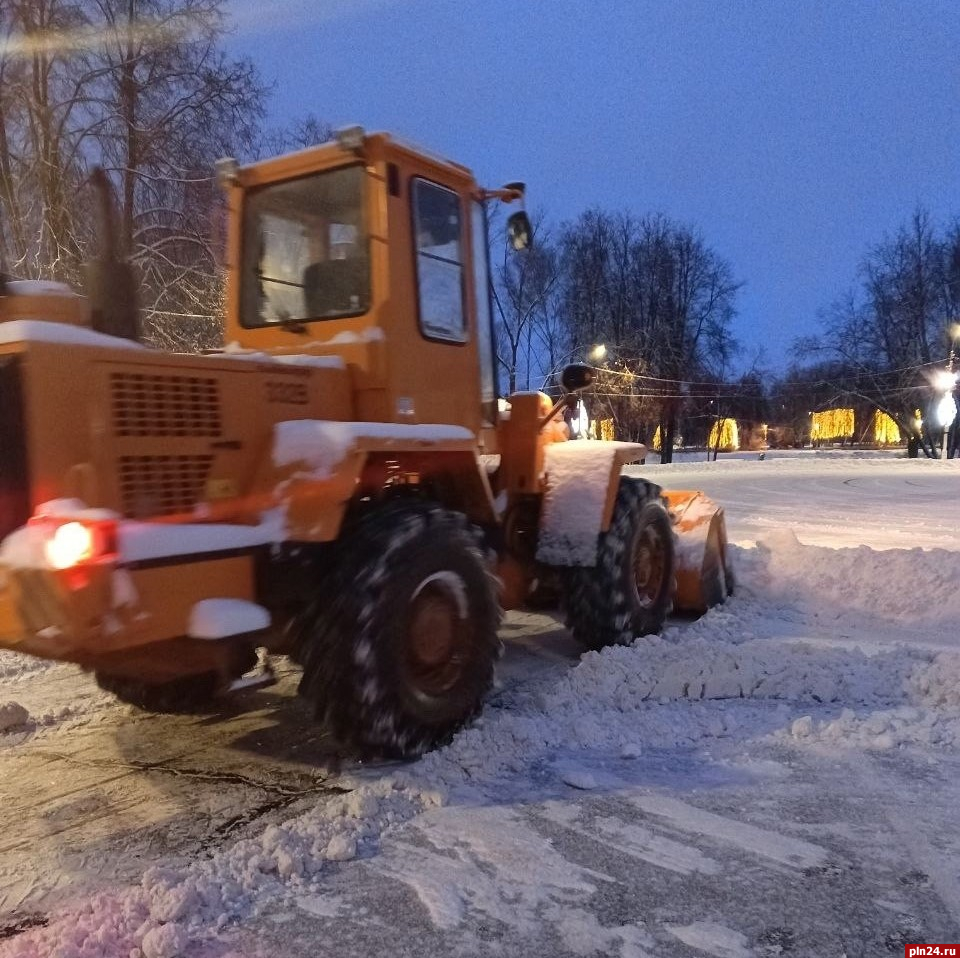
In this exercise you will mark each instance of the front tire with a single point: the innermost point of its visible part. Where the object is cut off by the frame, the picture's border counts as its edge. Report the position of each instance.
(402, 651)
(629, 592)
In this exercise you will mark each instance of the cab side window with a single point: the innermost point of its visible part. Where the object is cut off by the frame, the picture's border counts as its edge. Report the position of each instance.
(439, 246)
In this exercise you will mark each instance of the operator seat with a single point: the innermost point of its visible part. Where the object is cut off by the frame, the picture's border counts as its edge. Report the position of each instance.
(335, 286)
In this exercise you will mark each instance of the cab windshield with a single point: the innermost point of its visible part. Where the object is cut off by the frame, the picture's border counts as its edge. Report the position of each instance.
(305, 250)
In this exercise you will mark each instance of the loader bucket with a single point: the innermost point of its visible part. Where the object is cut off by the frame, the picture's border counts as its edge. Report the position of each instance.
(704, 575)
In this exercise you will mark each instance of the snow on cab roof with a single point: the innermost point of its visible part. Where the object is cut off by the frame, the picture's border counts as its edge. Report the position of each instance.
(398, 141)
(415, 147)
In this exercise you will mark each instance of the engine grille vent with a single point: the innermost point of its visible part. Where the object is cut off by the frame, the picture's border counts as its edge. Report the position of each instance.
(162, 485)
(158, 405)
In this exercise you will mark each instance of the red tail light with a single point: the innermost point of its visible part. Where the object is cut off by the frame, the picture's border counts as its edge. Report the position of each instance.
(74, 542)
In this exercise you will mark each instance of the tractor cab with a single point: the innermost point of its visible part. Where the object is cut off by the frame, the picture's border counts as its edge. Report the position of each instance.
(375, 251)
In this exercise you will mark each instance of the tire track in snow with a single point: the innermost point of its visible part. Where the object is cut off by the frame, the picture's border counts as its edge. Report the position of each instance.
(931, 862)
(775, 846)
(636, 841)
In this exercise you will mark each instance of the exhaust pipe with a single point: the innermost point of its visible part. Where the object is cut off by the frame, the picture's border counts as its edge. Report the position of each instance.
(111, 284)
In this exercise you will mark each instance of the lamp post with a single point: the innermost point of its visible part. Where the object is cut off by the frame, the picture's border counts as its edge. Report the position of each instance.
(944, 381)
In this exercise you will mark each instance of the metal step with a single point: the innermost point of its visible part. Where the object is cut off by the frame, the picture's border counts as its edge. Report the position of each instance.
(263, 676)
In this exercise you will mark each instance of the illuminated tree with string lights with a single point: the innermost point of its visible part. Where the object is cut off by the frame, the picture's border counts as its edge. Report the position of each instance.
(660, 295)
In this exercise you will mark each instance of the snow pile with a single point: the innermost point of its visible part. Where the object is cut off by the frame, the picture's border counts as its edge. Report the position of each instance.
(891, 586)
(880, 730)
(661, 670)
(669, 693)
(15, 667)
(730, 675)
(12, 715)
(931, 718)
(174, 907)
(938, 684)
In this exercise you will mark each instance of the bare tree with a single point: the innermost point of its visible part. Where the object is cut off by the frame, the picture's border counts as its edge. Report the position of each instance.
(170, 102)
(887, 338)
(654, 291)
(625, 393)
(42, 100)
(524, 284)
(143, 89)
(308, 130)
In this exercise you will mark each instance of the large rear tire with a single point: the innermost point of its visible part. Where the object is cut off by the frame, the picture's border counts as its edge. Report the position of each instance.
(402, 652)
(629, 592)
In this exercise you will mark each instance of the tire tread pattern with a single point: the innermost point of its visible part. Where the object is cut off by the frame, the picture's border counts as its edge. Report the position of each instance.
(348, 665)
(599, 610)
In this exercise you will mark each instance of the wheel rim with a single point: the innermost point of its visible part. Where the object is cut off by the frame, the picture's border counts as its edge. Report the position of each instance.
(648, 565)
(437, 634)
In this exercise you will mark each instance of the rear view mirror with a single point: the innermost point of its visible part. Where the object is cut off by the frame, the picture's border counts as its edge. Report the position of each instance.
(576, 376)
(519, 231)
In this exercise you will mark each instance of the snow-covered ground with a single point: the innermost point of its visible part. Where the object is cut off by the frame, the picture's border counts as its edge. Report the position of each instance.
(781, 777)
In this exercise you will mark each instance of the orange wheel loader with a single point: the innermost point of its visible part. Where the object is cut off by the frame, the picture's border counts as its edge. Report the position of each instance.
(338, 484)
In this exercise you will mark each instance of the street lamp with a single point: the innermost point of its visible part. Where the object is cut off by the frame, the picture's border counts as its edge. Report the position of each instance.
(944, 382)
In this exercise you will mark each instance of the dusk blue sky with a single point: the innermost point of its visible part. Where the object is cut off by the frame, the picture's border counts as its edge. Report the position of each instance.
(793, 134)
